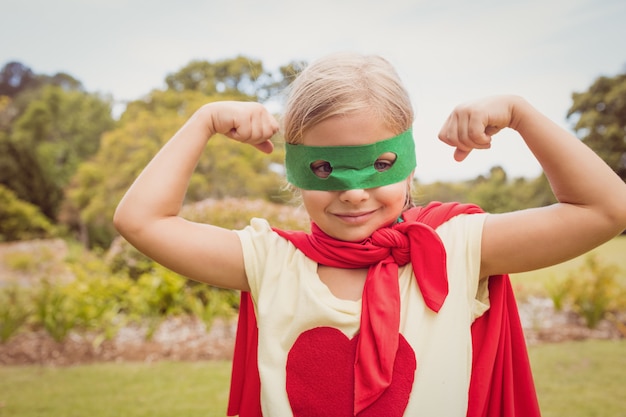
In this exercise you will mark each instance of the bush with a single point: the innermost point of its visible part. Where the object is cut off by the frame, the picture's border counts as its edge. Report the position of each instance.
(592, 291)
(13, 311)
(20, 220)
(98, 300)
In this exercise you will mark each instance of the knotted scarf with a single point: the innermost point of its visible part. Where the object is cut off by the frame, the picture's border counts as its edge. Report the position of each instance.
(413, 240)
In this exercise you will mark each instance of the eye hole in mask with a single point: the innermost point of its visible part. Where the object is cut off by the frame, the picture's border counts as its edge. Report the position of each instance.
(323, 169)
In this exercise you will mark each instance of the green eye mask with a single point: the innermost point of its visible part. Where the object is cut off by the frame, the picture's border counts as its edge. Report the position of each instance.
(350, 167)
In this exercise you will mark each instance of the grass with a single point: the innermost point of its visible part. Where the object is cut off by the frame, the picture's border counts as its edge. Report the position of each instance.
(574, 379)
(536, 282)
(580, 379)
(163, 389)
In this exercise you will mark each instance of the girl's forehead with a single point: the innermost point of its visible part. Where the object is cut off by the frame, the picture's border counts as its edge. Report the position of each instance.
(347, 130)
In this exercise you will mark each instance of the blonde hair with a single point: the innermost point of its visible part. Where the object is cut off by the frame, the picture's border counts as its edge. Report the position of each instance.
(345, 83)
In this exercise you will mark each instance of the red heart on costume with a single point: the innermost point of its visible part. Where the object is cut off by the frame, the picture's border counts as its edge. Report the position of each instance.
(320, 377)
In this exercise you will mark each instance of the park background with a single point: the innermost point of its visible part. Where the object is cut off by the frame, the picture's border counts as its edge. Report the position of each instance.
(90, 90)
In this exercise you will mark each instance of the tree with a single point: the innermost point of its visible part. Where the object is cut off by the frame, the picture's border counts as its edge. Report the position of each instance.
(20, 172)
(239, 77)
(600, 116)
(57, 131)
(19, 85)
(15, 77)
(230, 169)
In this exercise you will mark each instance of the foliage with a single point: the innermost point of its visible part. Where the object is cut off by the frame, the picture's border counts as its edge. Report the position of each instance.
(235, 213)
(64, 128)
(57, 131)
(592, 291)
(54, 310)
(20, 220)
(600, 119)
(21, 173)
(17, 78)
(106, 292)
(13, 311)
(98, 300)
(240, 77)
(494, 193)
(227, 169)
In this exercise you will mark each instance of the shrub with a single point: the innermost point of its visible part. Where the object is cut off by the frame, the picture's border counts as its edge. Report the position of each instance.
(14, 311)
(20, 220)
(54, 310)
(592, 291)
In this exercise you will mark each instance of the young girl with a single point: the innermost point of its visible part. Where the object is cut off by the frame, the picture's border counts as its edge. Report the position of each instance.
(371, 314)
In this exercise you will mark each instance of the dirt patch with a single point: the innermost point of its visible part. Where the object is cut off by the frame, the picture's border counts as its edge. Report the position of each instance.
(27, 262)
(543, 324)
(179, 339)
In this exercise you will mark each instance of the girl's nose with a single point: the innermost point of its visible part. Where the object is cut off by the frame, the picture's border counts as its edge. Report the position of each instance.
(354, 196)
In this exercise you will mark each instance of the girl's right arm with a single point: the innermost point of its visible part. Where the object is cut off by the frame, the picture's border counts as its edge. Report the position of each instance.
(147, 215)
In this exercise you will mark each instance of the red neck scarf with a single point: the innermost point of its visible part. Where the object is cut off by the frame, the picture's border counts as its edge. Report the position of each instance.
(411, 240)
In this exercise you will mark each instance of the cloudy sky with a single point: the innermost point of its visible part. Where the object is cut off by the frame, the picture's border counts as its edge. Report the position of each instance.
(446, 51)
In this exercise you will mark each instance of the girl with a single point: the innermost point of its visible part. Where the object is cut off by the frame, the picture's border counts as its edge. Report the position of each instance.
(371, 313)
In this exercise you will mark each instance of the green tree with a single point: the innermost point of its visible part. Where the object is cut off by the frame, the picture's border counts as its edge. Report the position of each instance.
(229, 169)
(240, 77)
(600, 120)
(15, 77)
(440, 191)
(100, 182)
(495, 193)
(21, 173)
(57, 130)
(19, 85)
(64, 128)
(492, 193)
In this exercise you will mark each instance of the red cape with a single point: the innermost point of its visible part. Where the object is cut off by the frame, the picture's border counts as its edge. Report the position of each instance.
(501, 382)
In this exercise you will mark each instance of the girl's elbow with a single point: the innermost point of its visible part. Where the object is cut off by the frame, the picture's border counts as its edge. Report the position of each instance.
(122, 221)
(617, 216)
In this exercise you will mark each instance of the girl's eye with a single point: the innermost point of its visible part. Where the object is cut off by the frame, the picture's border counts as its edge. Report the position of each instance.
(385, 161)
(321, 169)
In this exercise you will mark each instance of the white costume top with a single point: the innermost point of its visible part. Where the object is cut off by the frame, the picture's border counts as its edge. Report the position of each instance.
(289, 299)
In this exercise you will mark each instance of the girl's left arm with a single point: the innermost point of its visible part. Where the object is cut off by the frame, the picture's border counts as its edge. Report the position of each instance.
(591, 206)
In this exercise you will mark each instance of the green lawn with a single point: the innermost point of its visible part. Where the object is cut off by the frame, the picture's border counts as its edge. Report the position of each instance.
(164, 389)
(581, 379)
(574, 379)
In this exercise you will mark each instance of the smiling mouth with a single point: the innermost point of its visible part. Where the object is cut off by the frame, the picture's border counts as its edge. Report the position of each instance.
(359, 217)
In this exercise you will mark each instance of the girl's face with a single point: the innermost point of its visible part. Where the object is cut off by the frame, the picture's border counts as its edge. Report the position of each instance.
(353, 215)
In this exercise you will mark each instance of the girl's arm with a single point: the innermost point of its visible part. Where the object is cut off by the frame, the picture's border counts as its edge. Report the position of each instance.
(591, 206)
(147, 215)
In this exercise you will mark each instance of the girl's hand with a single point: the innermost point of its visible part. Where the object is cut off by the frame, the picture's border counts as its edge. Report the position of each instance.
(471, 125)
(245, 122)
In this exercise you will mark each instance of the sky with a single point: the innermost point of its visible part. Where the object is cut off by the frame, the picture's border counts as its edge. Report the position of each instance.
(447, 52)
